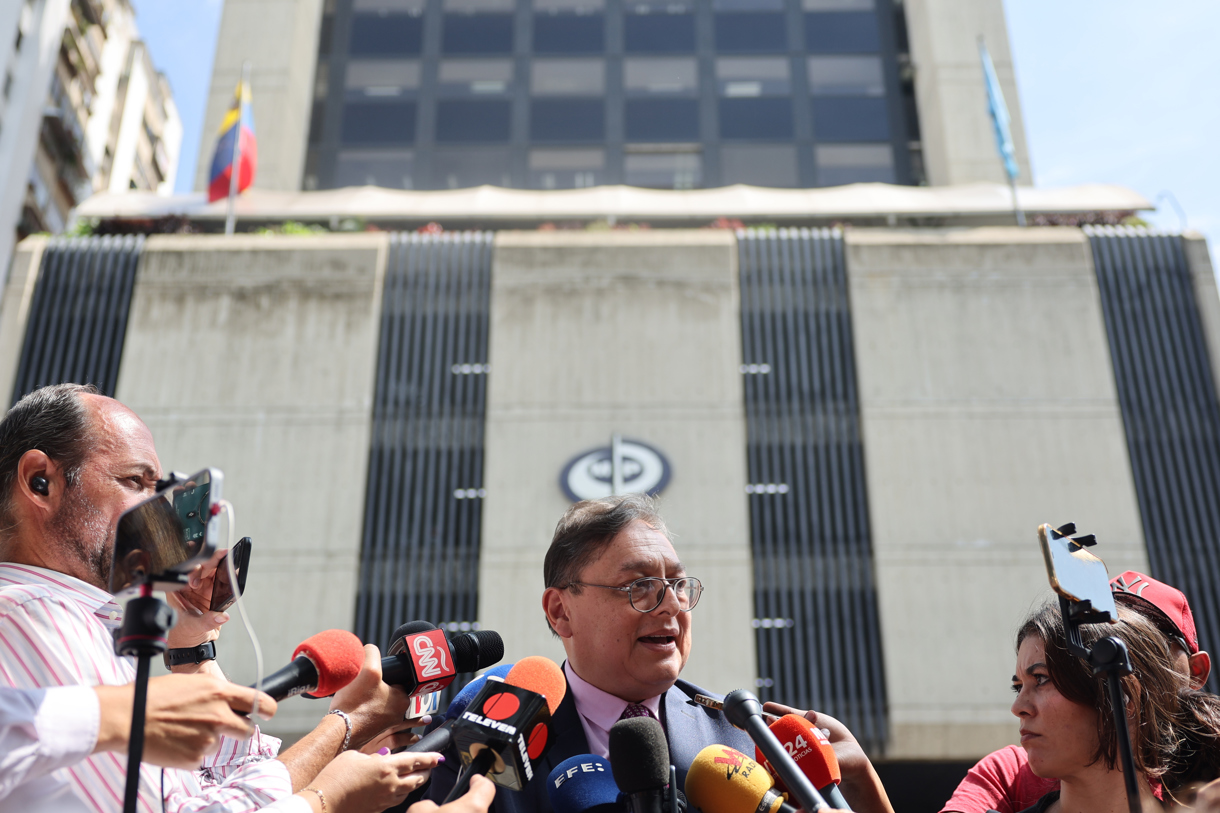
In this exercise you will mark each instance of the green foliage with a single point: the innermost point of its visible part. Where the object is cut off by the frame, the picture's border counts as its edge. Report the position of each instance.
(84, 227)
(293, 227)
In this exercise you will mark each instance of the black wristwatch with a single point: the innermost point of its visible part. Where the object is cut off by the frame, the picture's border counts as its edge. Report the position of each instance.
(196, 654)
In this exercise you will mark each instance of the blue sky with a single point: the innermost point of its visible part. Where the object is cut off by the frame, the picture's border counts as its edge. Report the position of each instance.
(1113, 91)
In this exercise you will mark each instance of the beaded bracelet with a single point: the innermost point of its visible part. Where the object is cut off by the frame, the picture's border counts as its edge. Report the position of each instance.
(321, 796)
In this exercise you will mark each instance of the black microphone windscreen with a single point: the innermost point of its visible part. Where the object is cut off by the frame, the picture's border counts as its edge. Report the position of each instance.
(476, 650)
(639, 755)
(395, 644)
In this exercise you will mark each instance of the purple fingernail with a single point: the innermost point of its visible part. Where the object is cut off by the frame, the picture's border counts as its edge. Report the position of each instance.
(384, 751)
(440, 758)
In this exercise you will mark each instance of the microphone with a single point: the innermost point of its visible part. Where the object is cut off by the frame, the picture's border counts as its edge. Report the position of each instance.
(583, 784)
(321, 665)
(639, 756)
(742, 709)
(812, 753)
(422, 661)
(724, 780)
(438, 739)
(506, 726)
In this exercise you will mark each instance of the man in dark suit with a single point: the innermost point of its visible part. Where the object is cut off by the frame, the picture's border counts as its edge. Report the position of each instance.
(620, 600)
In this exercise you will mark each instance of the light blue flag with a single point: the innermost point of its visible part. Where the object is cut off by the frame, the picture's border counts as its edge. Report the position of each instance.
(999, 114)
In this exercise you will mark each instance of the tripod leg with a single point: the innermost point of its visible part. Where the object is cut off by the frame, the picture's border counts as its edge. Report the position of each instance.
(135, 746)
(1126, 760)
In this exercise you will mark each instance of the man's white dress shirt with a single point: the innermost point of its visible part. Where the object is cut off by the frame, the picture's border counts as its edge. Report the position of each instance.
(55, 630)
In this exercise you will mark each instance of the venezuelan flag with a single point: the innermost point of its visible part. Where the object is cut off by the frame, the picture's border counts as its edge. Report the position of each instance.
(237, 123)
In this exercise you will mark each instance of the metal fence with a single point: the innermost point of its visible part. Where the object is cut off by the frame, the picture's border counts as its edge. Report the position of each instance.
(818, 634)
(1170, 409)
(78, 314)
(423, 510)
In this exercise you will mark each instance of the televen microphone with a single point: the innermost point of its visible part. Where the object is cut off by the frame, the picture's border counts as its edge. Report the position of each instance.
(812, 753)
(321, 665)
(724, 780)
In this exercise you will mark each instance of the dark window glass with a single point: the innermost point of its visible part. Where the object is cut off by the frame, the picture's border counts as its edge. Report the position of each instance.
(569, 33)
(763, 165)
(379, 123)
(456, 169)
(662, 119)
(386, 35)
(840, 164)
(763, 117)
(843, 118)
(841, 33)
(751, 32)
(567, 119)
(566, 168)
(659, 33)
(393, 169)
(663, 170)
(465, 120)
(478, 34)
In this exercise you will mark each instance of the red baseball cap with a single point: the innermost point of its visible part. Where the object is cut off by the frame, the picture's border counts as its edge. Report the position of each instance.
(1168, 601)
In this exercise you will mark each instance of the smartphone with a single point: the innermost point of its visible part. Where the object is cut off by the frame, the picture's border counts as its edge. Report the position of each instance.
(223, 594)
(160, 540)
(1077, 575)
(713, 703)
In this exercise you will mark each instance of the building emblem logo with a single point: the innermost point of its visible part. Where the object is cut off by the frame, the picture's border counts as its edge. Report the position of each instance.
(623, 467)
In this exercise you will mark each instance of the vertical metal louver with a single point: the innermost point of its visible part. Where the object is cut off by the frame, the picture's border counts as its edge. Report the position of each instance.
(1171, 414)
(423, 511)
(817, 626)
(78, 314)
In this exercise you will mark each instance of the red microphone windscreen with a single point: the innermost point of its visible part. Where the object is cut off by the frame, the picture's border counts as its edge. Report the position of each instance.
(540, 675)
(338, 656)
(810, 749)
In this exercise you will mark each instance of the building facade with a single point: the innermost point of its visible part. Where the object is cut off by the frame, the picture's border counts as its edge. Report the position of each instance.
(82, 110)
(560, 94)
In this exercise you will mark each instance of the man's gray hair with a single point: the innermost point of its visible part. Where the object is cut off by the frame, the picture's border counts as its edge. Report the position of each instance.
(55, 421)
(588, 528)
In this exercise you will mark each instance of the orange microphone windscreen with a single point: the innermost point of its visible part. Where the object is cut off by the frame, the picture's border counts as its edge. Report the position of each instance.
(810, 749)
(540, 675)
(337, 655)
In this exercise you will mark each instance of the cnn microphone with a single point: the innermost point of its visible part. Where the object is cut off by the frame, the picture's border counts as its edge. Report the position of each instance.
(812, 753)
(583, 784)
(438, 739)
(742, 709)
(423, 661)
(505, 729)
(724, 780)
(321, 665)
(639, 756)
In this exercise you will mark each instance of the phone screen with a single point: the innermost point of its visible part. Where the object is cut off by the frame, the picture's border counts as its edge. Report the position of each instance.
(223, 594)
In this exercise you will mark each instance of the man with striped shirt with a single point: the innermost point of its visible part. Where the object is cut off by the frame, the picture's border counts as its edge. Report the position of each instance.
(71, 461)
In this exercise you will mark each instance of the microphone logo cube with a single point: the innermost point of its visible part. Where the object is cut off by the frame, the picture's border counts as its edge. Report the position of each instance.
(513, 723)
(430, 655)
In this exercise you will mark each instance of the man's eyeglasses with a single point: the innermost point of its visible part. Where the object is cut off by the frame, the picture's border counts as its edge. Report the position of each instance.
(647, 594)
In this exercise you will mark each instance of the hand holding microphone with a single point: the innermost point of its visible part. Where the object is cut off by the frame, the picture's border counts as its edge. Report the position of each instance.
(812, 753)
(742, 709)
(321, 665)
(440, 737)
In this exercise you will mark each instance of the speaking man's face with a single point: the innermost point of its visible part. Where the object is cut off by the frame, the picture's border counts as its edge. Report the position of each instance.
(629, 654)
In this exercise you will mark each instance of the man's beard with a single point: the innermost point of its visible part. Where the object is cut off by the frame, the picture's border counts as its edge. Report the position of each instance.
(80, 527)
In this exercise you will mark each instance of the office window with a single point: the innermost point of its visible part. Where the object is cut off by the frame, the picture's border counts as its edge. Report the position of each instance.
(764, 118)
(838, 5)
(841, 33)
(662, 119)
(761, 165)
(846, 118)
(472, 120)
(658, 27)
(739, 77)
(477, 27)
(393, 169)
(745, 26)
(459, 169)
(474, 77)
(380, 78)
(645, 76)
(566, 169)
(845, 76)
(378, 122)
(386, 35)
(839, 164)
(569, 26)
(754, 100)
(673, 170)
(568, 77)
(560, 119)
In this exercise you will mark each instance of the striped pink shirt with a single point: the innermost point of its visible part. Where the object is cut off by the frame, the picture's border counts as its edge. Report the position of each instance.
(55, 630)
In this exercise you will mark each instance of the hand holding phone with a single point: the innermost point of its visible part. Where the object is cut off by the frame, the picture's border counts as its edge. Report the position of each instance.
(223, 594)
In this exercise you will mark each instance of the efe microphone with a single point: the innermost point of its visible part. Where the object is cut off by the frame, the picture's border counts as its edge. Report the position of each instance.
(742, 709)
(506, 726)
(724, 780)
(812, 753)
(583, 784)
(321, 665)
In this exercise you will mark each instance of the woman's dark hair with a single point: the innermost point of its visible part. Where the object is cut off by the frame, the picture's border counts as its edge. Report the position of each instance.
(1175, 732)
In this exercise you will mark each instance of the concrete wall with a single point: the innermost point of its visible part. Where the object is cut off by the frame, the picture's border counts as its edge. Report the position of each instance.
(280, 40)
(958, 140)
(1204, 278)
(15, 311)
(638, 333)
(256, 355)
(989, 406)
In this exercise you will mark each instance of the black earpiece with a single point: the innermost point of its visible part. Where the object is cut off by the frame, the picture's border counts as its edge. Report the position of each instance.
(40, 484)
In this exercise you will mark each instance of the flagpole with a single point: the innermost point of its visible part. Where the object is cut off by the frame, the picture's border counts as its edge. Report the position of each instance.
(235, 170)
(1012, 184)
